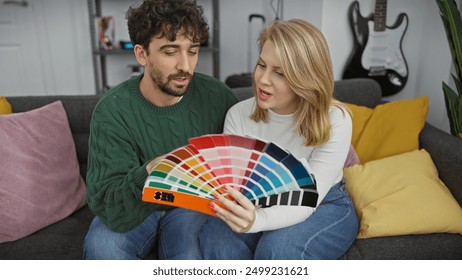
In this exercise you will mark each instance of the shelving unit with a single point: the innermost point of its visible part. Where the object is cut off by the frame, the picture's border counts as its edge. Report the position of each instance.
(99, 55)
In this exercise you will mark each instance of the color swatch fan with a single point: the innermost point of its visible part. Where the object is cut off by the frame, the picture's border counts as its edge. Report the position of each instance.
(268, 175)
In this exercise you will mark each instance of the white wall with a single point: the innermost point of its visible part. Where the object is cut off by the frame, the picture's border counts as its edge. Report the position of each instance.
(64, 41)
(234, 35)
(65, 26)
(433, 66)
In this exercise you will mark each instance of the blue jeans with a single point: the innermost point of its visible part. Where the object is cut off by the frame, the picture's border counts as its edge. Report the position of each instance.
(178, 237)
(326, 234)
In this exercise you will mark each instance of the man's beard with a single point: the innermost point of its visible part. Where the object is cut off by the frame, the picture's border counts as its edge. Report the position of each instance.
(156, 77)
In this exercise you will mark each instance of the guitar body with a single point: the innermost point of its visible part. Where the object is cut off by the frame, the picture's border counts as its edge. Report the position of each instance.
(377, 54)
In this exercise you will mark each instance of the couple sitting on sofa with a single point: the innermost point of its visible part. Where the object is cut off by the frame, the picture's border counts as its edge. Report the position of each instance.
(140, 121)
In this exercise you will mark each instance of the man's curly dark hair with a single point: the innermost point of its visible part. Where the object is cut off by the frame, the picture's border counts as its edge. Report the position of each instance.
(165, 18)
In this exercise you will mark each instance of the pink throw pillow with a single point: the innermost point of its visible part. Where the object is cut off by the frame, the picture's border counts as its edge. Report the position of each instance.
(352, 157)
(40, 181)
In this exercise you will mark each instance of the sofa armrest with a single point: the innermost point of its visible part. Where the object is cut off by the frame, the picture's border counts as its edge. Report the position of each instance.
(446, 152)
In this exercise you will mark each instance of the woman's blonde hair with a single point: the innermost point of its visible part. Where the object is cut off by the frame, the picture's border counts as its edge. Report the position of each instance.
(304, 58)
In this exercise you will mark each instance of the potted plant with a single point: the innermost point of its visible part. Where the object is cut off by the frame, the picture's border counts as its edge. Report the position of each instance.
(451, 17)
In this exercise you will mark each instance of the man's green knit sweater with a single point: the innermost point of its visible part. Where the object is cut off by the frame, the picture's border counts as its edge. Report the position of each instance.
(127, 132)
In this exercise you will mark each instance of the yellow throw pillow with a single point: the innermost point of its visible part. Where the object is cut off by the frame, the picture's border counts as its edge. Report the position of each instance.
(402, 195)
(5, 106)
(389, 129)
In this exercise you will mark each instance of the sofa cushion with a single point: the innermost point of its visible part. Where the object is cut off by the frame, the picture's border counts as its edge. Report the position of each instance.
(433, 246)
(5, 106)
(401, 195)
(40, 182)
(389, 129)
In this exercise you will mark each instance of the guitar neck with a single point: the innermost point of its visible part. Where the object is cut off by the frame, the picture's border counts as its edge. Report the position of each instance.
(380, 15)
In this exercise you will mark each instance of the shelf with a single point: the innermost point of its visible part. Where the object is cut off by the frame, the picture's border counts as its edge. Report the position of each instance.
(99, 55)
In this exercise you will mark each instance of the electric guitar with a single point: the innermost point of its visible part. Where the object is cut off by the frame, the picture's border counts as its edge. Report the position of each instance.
(377, 50)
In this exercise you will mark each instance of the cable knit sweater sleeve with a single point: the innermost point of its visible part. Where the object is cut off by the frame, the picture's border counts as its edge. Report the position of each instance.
(115, 176)
(326, 161)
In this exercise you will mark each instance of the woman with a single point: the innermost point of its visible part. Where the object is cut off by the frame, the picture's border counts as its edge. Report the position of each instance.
(293, 107)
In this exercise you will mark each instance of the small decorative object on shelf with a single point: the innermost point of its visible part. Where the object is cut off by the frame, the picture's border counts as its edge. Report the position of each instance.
(106, 32)
(126, 45)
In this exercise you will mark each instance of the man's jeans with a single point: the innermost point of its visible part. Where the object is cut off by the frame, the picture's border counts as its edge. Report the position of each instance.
(178, 237)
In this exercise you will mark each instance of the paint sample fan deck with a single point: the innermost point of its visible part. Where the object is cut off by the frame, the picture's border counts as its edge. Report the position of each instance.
(268, 175)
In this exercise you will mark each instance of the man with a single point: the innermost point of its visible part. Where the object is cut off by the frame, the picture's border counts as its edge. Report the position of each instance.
(142, 119)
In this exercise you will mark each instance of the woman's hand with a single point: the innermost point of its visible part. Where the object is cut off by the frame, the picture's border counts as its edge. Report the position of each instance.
(239, 214)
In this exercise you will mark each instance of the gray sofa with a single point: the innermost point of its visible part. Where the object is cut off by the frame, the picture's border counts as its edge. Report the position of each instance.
(63, 240)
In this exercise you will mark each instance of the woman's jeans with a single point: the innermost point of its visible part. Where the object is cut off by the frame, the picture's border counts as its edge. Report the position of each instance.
(326, 234)
(178, 237)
